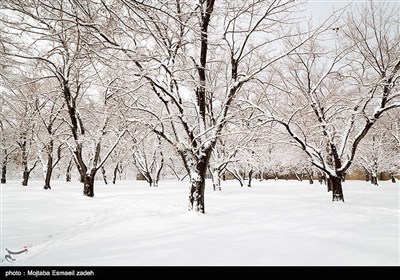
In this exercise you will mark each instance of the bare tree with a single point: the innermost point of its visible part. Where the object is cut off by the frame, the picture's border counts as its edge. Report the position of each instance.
(195, 59)
(53, 39)
(341, 91)
(148, 157)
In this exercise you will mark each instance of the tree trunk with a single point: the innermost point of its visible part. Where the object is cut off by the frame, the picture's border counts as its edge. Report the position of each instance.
(81, 173)
(4, 173)
(329, 184)
(198, 182)
(49, 172)
(68, 172)
(250, 177)
(149, 179)
(158, 174)
(49, 168)
(103, 172)
(366, 177)
(88, 187)
(393, 178)
(25, 174)
(374, 180)
(310, 177)
(216, 180)
(196, 196)
(115, 174)
(336, 185)
(25, 178)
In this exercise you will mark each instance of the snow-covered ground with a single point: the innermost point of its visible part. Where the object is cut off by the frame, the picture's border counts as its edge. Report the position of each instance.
(273, 223)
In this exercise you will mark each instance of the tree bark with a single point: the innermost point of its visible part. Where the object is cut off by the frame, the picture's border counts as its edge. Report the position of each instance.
(374, 180)
(216, 180)
(149, 179)
(88, 187)
(4, 173)
(393, 178)
(158, 173)
(103, 172)
(115, 174)
(49, 171)
(329, 184)
(250, 177)
(310, 177)
(68, 173)
(198, 182)
(49, 167)
(25, 178)
(336, 184)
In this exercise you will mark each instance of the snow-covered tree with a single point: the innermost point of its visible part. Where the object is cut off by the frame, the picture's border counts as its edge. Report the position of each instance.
(148, 157)
(50, 37)
(195, 57)
(335, 94)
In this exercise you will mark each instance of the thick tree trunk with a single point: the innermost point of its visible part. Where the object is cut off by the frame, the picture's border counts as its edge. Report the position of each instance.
(4, 173)
(88, 187)
(374, 180)
(49, 172)
(393, 178)
(337, 190)
(196, 194)
(25, 178)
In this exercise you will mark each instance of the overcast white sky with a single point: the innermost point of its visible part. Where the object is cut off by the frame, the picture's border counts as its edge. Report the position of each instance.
(322, 8)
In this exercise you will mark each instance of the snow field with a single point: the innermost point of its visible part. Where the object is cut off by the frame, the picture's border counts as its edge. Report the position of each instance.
(273, 223)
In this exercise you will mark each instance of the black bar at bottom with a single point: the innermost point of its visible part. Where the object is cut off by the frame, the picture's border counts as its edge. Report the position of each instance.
(186, 272)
